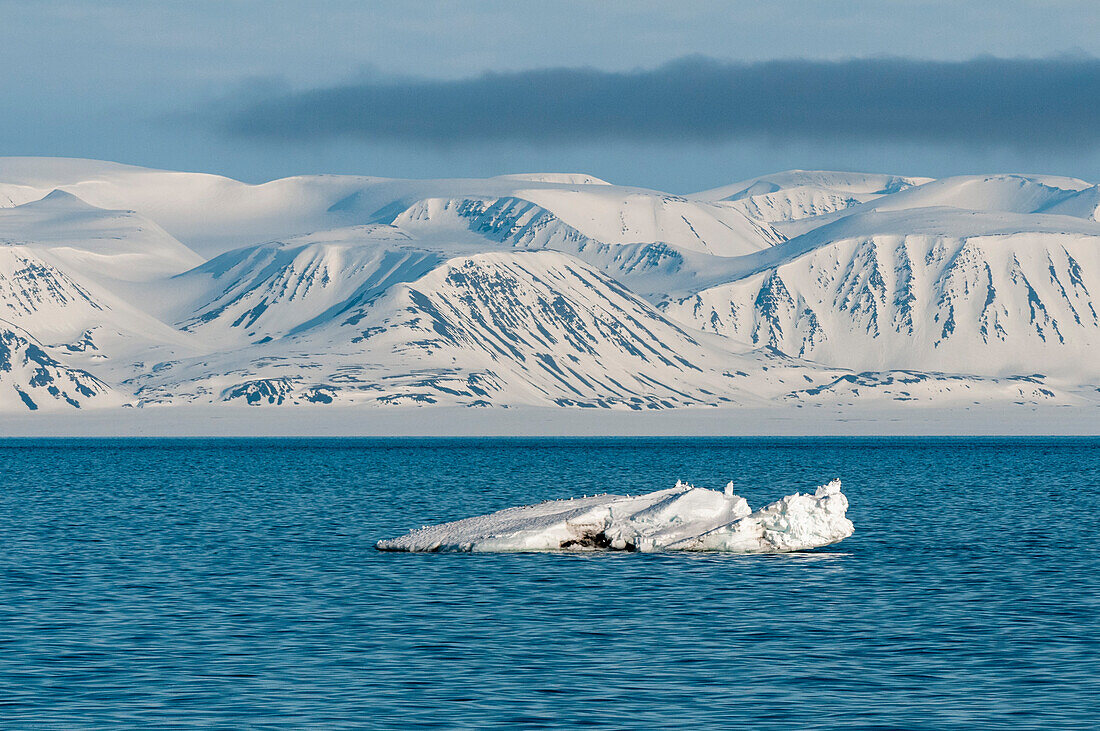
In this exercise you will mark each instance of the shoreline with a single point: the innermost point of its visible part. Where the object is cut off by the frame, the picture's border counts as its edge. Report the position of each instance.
(445, 421)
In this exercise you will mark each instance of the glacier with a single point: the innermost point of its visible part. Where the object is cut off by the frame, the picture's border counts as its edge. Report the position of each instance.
(803, 289)
(681, 518)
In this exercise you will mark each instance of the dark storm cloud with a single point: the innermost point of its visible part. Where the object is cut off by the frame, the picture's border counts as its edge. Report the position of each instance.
(988, 101)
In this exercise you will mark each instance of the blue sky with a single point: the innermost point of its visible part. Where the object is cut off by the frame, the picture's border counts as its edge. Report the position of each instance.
(254, 89)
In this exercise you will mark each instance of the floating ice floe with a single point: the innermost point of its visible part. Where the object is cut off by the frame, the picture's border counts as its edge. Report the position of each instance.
(682, 518)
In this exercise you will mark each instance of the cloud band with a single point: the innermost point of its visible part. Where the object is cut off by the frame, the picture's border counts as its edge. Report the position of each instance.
(985, 101)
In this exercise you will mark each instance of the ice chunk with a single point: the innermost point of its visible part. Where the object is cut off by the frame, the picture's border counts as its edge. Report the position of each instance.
(794, 523)
(682, 518)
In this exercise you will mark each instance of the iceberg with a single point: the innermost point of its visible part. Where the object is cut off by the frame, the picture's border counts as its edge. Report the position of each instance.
(681, 518)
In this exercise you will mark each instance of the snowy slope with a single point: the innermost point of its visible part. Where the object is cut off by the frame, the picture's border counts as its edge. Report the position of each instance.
(114, 244)
(31, 379)
(799, 194)
(929, 288)
(840, 182)
(1084, 203)
(235, 214)
(492, 328)
(1024, 194)
(803, 287)
(1009, 193)
(544, 325)
(615, 216)
(67, 267)
(274, 289)
(655, 270)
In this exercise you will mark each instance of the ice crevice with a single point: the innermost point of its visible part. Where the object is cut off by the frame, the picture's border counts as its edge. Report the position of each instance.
(681, 518)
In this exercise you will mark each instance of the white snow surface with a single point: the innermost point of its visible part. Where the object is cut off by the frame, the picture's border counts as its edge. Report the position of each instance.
(812, 288)
(681, 518)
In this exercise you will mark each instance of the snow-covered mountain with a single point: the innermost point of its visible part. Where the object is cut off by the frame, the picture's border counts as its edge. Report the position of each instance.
(67, 268)
(798, 194)
(930, 289)
(32, 379)
(123, 285)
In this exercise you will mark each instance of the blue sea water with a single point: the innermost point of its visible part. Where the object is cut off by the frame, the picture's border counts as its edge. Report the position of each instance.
(234, 584)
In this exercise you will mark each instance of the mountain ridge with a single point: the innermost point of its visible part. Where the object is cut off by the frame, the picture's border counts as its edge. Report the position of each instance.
(804, 287)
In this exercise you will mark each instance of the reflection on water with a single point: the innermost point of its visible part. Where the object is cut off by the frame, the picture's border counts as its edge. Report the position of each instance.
(235, 584)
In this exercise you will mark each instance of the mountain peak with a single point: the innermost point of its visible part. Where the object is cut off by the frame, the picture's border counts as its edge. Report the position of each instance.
(802, 286)
(58, 198)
